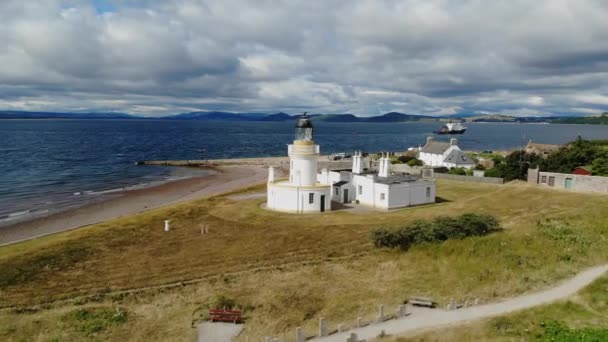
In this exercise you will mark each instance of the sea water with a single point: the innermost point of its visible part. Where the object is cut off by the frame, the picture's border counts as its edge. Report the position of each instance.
(51, 165)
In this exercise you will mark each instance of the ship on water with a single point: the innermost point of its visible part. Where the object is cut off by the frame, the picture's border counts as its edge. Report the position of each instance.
(451, 128)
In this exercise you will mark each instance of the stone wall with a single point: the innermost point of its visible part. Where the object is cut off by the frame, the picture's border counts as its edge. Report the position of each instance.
(491, 180)
(568, 181)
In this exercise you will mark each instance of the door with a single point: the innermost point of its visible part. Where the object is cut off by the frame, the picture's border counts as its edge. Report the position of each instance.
(345, 195)
(322, 203)
(568, 184)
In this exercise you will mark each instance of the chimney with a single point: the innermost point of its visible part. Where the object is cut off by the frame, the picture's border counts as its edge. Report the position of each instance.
(271, 174)
(429, 139)
(385, 165)
(453, 142)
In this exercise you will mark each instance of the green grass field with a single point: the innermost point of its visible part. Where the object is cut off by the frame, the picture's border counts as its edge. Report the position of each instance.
(285, 272)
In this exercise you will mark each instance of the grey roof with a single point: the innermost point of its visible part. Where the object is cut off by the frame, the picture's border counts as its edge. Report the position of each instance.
(396, 179)
(435, 147)
(458, 157)
(340, 183)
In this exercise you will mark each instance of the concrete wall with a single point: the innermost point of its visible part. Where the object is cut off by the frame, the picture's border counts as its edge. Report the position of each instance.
(407, 169)
(491, 180)
(408, 194)
(559, 180)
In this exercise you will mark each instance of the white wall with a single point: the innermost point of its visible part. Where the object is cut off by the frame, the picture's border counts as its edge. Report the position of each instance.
(395, 195)
(431, 159)
(296, 199)
(303, 170)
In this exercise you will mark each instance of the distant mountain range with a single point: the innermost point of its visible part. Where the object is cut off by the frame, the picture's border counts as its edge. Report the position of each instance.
(228, 116)
(9, 114)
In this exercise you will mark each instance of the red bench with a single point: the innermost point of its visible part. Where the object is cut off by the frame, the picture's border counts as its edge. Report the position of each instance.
(233, 316)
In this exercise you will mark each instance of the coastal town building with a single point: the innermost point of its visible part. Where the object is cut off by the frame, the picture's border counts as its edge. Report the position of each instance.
(302, 193)
(568, 181)
(381, 188)
(542, 149)
(582, 170)
(444, 154)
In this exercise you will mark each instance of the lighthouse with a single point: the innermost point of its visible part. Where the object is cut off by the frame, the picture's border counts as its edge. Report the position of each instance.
(301, 193)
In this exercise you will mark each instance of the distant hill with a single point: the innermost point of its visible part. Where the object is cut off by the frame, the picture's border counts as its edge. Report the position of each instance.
(398, 117)
(601, 119)
(227, 116)
(53, 115)
(224, 116)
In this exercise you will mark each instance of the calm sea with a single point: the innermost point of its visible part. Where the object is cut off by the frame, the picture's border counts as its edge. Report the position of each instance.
(49, 165)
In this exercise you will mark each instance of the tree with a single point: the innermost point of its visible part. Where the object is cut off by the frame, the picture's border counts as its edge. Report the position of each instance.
(599, 167)
(567, 158)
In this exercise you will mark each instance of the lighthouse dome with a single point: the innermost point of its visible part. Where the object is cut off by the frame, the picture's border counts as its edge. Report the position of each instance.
(304, 122)
(304, 129)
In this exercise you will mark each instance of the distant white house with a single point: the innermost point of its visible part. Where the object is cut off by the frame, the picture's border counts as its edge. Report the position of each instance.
(446, 154)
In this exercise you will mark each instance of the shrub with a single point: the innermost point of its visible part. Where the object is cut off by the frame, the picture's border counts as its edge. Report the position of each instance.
(555, 331)
(440, 229)
(458, 171)
(405, 159)
(415, 162)
(91, 321)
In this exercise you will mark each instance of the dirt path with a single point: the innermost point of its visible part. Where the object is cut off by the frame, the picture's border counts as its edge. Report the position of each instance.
(432, 319)
(227, 179)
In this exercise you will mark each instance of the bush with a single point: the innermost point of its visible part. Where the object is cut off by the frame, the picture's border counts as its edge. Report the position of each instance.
(405, 159)
(440, 229)
(91, 321)
(415, 162)
(555, 331)
(458, 171)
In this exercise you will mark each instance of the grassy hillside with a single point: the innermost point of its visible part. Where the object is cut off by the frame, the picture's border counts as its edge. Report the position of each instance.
(585, 314)
(587, 120)
(127, 279)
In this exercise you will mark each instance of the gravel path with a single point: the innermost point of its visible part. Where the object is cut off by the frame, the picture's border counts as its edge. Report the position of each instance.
(218, 332)
(431, 319)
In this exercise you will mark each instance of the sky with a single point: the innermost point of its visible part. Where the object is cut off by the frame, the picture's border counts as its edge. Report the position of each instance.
(364, 57)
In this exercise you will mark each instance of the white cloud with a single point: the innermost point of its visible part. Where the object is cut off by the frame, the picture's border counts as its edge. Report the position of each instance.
(362, 57)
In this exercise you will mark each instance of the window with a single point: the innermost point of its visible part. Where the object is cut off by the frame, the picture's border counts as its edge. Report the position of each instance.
(311, 198)
(551, 181)
(337, 191)
(382, 196)
(360, 190)
(543, 179)
(428, 192)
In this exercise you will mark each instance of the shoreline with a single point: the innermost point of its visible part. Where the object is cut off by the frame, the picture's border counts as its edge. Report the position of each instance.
(130, 202)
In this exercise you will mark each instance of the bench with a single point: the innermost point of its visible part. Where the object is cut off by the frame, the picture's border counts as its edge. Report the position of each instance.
(423, 301)
(232, 316)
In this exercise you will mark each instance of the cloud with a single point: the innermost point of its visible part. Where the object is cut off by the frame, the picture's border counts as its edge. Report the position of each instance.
(363, 57)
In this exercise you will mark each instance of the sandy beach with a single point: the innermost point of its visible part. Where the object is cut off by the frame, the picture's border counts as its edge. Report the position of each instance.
(224, 179)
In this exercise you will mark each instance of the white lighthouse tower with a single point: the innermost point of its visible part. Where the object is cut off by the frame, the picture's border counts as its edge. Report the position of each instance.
(301, 193)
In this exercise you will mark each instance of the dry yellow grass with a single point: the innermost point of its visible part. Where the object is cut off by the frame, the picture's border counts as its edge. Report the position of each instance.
(288, 272)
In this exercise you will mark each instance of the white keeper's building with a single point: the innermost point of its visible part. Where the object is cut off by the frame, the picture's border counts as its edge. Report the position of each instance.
(307, 191)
